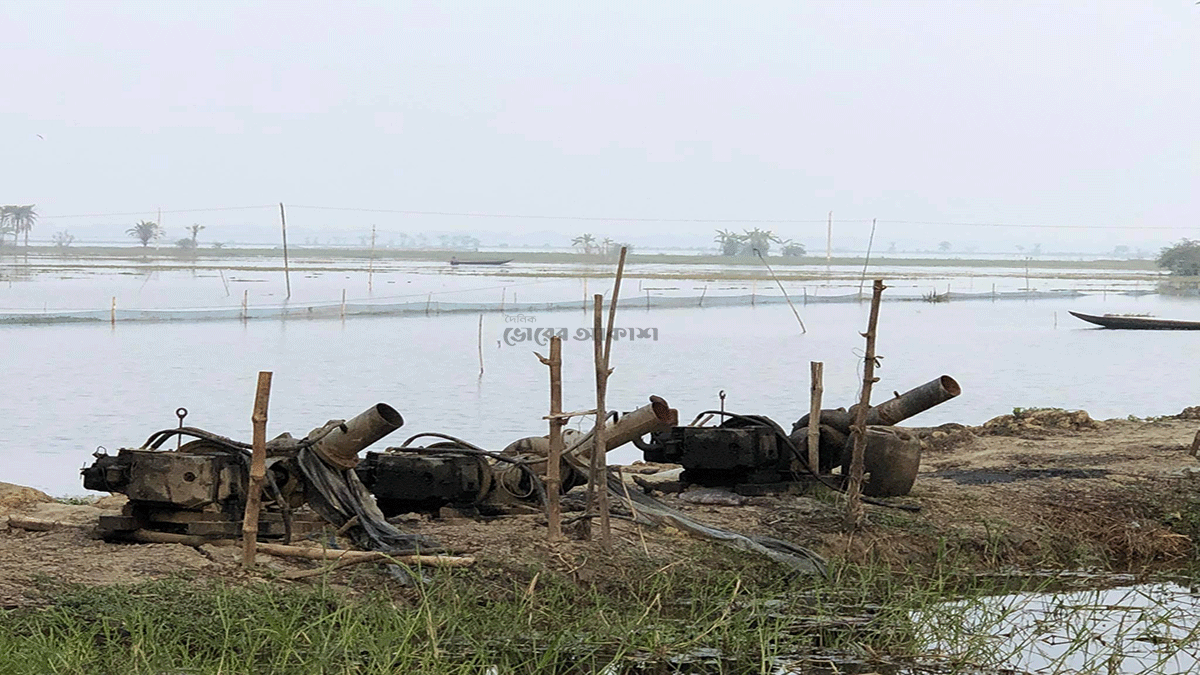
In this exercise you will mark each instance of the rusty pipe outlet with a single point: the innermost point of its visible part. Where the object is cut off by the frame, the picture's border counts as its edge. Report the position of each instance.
(340, 447)
(657, 416)
(914, 401)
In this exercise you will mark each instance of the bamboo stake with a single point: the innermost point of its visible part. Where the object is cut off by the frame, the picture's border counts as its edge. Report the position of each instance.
(287, 272)
(854, 507)
(612, 309)
(597, 479)
(480, 346)
(258, 469)
(866, 260)
(422, 560)
(814, 417)
(554, 456)
(245, 300)
(112, 315)
(343, 304)
(313, 553)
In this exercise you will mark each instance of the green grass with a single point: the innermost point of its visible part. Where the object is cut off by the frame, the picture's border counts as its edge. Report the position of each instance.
(721, 611)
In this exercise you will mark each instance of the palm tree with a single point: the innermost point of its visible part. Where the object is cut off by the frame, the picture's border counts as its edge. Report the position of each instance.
(944, 247)
(145, 231)
(6, 224)
(730, 242)
(584, 240)
(194, 229)
(759, 241)
(22, 219)
(793, 249)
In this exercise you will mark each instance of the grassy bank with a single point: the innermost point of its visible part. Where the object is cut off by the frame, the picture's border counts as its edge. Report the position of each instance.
(710, 611)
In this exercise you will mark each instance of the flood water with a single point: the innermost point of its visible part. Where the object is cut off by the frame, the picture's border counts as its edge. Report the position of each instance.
(76, 387)
(1150, 628)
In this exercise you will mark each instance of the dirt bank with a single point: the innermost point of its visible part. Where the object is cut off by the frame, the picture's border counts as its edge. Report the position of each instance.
(1035, 490)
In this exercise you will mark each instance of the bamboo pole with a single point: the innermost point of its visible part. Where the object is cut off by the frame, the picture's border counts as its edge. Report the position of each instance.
(598, 472)
(287, 272)
(854, 507)
(866, 260)
(245, 301)
(554, 455)
(421, 560)
(481, 346)
(814, 417)
(112, 315)
(258, 469)
(612, 309)
(343, 304)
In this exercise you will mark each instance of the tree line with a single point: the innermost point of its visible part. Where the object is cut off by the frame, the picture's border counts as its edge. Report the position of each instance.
(756, 242)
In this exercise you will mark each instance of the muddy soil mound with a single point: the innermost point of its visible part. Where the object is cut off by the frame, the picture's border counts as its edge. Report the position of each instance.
(1039, 421)
(1190, 413)
(946, 437)
(19, 498)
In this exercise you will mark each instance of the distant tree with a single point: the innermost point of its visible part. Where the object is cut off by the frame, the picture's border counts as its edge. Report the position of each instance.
(7, 226)
(145, 231)
(584, 241)
(1182, 259)
(891, 247)
(21, 219)
(63, 239)
(792, 249)
(1036, 250)
(730, 242)
(194, 229)
(758, 241)
(944, 247)
(218, 244)
(186, 244)
(1120, 250)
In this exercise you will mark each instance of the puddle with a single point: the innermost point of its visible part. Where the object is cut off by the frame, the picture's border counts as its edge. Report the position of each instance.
(1149, 628)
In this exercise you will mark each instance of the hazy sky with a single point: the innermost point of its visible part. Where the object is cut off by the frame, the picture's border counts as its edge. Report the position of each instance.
(1061, 113)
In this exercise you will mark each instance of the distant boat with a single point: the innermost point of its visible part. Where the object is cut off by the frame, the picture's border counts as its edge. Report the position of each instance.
(1118, 321)
(456, 261)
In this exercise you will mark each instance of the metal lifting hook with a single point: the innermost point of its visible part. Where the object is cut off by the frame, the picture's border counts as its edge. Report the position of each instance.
(180, 413)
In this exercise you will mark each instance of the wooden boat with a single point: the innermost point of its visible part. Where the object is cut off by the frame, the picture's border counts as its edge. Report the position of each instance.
(1137, 322)
(456, 261)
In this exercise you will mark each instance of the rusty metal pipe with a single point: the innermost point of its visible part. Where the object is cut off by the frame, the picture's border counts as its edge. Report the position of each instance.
(657, 416)
(898, 409)
(340, 447)
(914, 401)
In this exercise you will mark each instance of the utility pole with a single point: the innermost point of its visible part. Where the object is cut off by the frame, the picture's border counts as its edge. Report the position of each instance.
(287, 272)
(829, 241)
